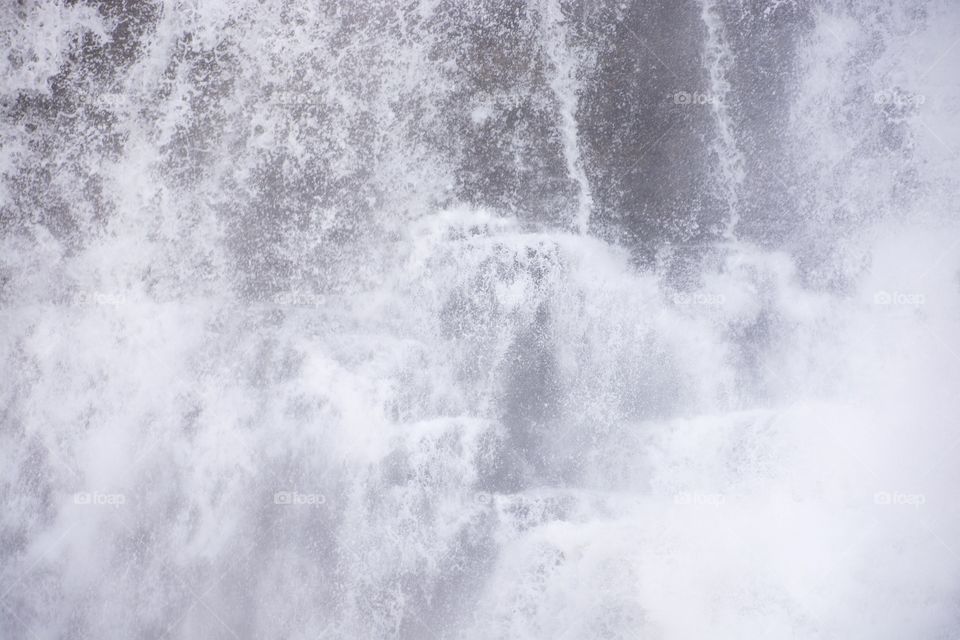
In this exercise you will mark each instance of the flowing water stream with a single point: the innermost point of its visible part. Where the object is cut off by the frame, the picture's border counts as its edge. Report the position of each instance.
(500, 319)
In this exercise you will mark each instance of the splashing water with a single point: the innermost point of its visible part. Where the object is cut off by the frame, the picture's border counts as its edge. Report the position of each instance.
(298, 340)
(565, 86)
(719, 61)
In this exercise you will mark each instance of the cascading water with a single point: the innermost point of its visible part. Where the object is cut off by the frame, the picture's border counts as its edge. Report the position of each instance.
(719, 60)
(565, 85)
(299, 341)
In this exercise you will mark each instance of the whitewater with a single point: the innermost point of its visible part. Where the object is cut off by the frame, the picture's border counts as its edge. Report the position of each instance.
(429, 320)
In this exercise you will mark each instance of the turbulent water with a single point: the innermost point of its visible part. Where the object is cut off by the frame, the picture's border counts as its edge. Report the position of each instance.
(496, 319)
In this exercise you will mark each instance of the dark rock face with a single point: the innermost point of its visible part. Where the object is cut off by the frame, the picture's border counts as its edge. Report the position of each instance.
(764, 44)
(646, 126)
(647, 149)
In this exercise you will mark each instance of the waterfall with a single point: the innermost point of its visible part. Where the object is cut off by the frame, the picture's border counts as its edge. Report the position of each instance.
(566, 66)
(299, 339)
(718, 60)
